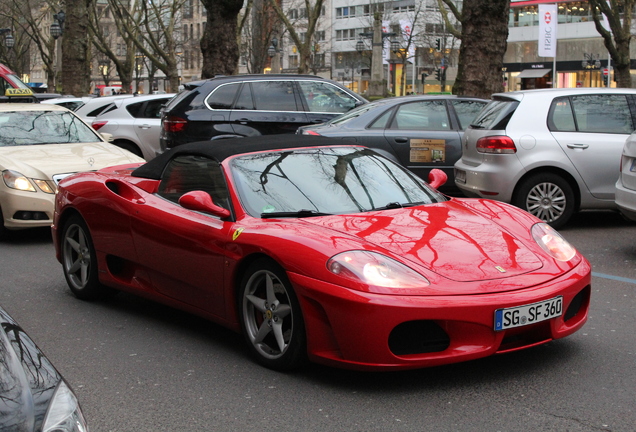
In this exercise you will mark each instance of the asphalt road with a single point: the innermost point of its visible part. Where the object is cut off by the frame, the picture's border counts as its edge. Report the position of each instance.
(138, 366)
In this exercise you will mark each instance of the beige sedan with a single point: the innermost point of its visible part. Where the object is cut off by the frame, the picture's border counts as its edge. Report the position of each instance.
(41, 144)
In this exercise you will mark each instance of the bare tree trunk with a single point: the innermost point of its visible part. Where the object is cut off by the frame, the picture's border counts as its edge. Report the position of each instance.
(76, 73)
(219, 44)
(484, 43)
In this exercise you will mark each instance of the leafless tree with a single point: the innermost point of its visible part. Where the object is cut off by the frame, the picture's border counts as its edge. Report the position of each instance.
(219, 44)
(76, 71)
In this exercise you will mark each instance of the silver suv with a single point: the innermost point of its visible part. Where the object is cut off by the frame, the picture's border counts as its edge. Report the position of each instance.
(551, 152)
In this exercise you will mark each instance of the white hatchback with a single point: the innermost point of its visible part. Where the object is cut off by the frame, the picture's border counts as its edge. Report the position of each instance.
(551, 152)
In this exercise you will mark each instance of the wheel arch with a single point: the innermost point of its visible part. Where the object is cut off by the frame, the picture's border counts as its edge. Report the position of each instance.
(133, 144)
(557, 171)
(239, 272)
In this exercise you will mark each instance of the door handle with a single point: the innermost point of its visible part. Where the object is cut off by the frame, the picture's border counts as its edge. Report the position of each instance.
(144, 126)
(401, 140)
(319, 121)
(243, 120)
(578, 146)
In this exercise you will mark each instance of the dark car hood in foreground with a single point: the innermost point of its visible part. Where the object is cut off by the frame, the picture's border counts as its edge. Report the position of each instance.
(448, 238)
(27, 379)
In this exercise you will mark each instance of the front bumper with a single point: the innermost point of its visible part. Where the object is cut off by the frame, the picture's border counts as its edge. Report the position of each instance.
(357, 330)
(22, 209)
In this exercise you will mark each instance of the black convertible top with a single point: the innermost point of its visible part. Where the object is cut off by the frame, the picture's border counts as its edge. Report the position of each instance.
(222, 149)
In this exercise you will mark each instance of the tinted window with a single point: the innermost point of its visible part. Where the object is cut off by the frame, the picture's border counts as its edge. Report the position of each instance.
(274, 96)
(189, 173)
(134, 109)
(424, 115)
(223, 96)
(602, 113)
(326, 97)
(466, 111)
(382, 121)
(153, 108)
(245, 101)
(98, 111)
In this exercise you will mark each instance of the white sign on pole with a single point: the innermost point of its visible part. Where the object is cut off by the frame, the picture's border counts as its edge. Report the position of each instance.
(548, 30)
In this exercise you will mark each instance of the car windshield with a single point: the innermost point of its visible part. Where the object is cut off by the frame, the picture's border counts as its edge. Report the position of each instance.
(319, 181)
(43, 127)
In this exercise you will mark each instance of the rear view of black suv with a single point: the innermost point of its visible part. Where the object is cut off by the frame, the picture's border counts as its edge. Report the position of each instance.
(251, 105)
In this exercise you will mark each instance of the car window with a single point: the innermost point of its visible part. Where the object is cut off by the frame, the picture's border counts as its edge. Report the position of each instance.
(466, 111)
(43, 127)
(335, 180)
(187, 173)
(134, 109)
(382, 121)
(245, 100)
(153, 109)
(423, 115)
(602, 114)
(223, 96)
(561, 117)
(355, 113)
(326, 97)
(274, 96)
(496, 114)
(100, 110)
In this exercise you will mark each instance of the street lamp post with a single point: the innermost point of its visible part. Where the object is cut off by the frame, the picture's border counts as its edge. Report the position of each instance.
(9, 41)
(591, 62)
(272, 52)
(57, 30)
(377, 74)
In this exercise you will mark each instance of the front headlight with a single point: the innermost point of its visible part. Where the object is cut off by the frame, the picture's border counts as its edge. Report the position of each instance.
(64, 413)
(15, 180)
(375, 270)
(552, 242)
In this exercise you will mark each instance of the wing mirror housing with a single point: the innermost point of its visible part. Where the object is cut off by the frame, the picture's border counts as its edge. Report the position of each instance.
(437, 177)
(201, 201)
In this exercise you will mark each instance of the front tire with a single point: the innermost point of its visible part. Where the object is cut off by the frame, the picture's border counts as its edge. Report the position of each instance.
(79, 261)
(547, 196)
(271, 318)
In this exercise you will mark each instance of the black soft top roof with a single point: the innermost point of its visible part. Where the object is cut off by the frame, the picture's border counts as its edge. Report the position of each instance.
(224, 148)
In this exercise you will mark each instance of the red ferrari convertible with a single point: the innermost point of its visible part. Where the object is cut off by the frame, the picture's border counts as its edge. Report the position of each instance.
(316, 249)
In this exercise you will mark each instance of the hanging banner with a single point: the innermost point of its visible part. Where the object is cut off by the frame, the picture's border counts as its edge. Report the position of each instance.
(407, 28)
(548, 20)
(386, 43)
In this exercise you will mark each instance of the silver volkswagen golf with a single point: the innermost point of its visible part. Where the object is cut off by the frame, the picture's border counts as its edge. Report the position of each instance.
(551, 152)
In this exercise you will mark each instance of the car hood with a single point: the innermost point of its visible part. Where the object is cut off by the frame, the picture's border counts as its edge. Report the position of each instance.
(450, 239)
(37, 160)
(27, 379)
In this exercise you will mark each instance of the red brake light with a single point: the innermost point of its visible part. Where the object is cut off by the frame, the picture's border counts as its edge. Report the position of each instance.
(174, 124)
(500, 144)
(310, 132)
(98, 124)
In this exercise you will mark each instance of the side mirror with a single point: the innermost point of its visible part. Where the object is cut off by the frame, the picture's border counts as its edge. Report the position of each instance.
(437, 178)
(201, 201)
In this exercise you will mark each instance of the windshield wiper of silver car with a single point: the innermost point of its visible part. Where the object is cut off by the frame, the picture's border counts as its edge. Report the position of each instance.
(299, 214)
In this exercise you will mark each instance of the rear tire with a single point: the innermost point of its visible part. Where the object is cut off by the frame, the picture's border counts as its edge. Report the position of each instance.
(79, 261)
(547, 196)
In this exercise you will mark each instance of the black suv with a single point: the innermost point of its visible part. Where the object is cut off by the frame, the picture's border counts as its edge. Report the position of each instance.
(250, 105)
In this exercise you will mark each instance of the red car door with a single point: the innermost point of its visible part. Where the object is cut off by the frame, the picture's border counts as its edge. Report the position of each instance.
(182, 249)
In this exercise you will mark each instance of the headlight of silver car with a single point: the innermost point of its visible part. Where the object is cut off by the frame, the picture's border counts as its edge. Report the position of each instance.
(552, 242)
(64, 413)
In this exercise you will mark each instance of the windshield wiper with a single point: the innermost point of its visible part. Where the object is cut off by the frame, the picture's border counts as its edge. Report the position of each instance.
(299, 214)
(397, 205)
(476, 126)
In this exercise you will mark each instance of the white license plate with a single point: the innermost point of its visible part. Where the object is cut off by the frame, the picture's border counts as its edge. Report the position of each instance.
(460, 176)
(528, 314)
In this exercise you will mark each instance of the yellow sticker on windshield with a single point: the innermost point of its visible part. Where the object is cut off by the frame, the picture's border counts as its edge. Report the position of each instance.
(237, 233)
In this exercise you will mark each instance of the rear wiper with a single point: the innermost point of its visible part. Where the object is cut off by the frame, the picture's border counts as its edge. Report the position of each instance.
(299, 214)
(476, 126)
(397, 205)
